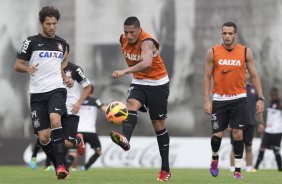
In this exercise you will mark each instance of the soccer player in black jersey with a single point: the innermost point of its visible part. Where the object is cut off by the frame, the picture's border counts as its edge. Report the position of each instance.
(44, 53)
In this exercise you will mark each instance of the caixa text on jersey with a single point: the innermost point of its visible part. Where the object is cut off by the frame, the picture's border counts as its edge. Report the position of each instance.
(51, 54)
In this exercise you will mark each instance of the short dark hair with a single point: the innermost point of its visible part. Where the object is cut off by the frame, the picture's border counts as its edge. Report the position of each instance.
(274, 89)
(230, 24)
(132, 21)
(49, 11)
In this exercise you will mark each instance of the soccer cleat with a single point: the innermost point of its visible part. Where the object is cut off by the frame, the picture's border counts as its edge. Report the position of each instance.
(73, 169)
(62, 172)
(237, 175)
(49, 168)
(81, 145)
(82, 168)
(214, 168)
(120, 140)
(32, 163)
(164, 176)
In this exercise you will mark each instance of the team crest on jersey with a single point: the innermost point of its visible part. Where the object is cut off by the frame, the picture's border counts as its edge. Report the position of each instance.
(68, 73)
(60, 47)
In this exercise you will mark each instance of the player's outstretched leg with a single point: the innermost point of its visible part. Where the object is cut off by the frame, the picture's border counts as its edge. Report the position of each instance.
(120, 140)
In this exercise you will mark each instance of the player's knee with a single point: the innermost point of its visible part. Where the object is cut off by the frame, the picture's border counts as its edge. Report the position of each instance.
(237, 134)
(133, 104)
(44, 137)
(68, 144)
(55, 120)
(158, 125)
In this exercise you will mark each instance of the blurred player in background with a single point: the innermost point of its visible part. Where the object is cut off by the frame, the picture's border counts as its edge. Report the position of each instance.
(251, 122)
(226, 64)
(45, 53)
(273, 129)
(149, 88)
(87, 127)
(75, 97)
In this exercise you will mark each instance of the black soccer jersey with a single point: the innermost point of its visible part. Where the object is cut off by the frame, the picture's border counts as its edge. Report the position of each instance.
(74, 93)
(48, 53)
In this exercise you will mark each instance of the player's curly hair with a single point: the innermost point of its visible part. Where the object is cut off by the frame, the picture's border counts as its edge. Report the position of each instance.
(49, 11)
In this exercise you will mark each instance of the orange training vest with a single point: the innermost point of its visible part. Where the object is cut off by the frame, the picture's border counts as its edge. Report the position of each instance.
(132, 54)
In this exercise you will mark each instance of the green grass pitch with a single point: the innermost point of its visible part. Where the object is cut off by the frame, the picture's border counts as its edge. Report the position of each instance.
(24, 175)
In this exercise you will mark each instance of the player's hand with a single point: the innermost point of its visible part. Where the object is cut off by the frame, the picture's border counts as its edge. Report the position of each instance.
(76, 108)
(207, 107)
(260, 128)
(69, 82)
(32, 69)
(118, 73)
(260, 106)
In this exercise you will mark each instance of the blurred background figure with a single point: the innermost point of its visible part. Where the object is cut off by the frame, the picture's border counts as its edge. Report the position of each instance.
(273, 129)
(251, 123)
(87, 127)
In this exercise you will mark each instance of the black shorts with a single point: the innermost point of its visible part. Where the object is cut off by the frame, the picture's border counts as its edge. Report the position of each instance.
(70, 124)
(42, 104)
(152, 97)
(270, 141)
(248, 134)
(232, 112)
(92, 139)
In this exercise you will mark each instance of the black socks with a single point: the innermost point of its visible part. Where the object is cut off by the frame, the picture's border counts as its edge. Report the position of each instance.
(163, 142)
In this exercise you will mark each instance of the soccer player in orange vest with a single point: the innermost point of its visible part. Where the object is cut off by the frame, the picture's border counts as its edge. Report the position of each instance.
(149, 88)
(226, 64)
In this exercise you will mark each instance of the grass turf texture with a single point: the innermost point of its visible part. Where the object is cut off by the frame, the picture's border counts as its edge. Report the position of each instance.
(24, 175)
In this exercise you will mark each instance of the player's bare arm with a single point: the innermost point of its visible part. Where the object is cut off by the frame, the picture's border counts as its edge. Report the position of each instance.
(21, 66)
(147, 53)
(207, 82)
(85, 93)
(261, 123)
(255, 80)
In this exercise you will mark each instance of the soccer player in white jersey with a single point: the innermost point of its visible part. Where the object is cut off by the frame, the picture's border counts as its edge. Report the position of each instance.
(273, 129)
(45, 53)
(75, 97)
(87, 127)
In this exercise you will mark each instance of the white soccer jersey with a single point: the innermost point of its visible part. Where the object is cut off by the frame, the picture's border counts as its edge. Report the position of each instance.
(88, 116)
(80, 82)
(273, 121)
(48, 53)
